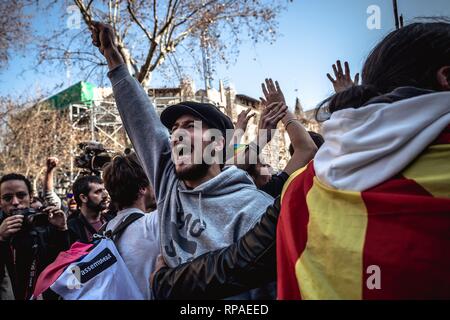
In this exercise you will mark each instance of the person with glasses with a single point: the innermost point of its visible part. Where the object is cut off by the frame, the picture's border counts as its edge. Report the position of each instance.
(27, 247)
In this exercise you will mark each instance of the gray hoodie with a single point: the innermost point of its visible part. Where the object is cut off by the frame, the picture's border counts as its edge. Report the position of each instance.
(192, 222)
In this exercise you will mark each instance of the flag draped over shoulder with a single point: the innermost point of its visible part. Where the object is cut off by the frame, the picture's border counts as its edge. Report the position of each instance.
(391, 241)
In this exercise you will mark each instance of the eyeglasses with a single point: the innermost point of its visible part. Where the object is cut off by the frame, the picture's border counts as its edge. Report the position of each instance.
(9, 196)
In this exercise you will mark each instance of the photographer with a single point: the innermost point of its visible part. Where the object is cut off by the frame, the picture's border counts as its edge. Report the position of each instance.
(29, 239)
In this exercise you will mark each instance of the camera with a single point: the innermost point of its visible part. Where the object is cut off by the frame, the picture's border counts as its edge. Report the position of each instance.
(93, 157)
(32, 217)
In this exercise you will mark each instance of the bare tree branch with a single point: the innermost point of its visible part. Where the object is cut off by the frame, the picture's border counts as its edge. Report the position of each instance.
(135, 19)
(154, 29)
(84, 12)
(194, 12)
(14, 29)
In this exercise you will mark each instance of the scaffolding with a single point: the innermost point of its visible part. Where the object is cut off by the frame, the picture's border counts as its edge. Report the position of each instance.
(101, 119)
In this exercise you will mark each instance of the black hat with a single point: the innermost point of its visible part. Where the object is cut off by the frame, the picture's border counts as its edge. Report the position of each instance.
(207, 112)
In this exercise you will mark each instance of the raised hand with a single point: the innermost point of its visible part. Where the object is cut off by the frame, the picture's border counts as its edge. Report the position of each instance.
(52, 163)
(103, 37)
(343, 80)
(56, 217)
(271, 115)
(243, 119)
(272, 93)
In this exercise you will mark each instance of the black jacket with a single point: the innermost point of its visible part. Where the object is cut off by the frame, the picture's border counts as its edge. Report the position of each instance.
(244, 265)
(275, 186)
(78, 225)
(18, 255)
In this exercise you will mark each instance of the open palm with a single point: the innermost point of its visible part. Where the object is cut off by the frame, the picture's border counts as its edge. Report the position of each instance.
(342, 79)
(272, 93)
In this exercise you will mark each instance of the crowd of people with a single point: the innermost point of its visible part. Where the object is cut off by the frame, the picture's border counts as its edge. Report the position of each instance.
(362, 212)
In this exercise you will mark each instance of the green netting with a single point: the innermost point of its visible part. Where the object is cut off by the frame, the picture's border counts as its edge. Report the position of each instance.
(81, 92)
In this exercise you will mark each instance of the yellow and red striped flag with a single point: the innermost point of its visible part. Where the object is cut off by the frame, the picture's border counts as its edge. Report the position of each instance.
(330, 243)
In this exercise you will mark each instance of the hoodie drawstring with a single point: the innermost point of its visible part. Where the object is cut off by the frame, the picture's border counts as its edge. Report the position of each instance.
(202, 223)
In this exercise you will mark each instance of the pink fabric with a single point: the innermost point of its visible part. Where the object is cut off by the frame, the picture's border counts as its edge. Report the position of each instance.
(55, 269)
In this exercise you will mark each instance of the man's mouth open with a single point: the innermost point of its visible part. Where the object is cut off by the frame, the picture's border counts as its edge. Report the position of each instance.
(182, 154)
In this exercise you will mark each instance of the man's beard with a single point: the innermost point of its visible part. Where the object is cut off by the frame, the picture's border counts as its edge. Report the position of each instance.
(96, 207)
(194, 172)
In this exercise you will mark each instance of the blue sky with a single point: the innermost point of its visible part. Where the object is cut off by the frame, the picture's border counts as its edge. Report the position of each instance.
(312, 35)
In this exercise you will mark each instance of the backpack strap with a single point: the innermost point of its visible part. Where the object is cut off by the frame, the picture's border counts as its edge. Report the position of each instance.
(102, 229)
(102, 233)
(117, 232)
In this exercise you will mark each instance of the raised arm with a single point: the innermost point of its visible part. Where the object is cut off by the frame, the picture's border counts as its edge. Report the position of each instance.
(343, 79)
(148, 135)
(49, 193)
(304, 146)
(241, 124)
(270, 116)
